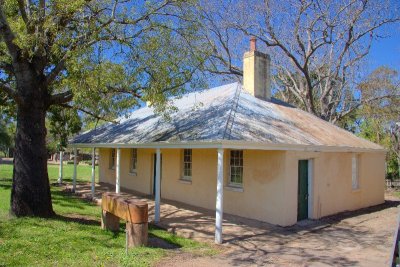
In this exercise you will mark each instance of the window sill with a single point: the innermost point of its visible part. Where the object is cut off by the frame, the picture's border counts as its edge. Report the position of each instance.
(183, 181)
(234, 188)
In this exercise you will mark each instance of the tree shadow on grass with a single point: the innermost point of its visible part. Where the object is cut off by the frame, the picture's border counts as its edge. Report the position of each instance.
(158, 242)
(76, 219)
(5, 183)
(169, 242)
(68, 199)
(154, 241)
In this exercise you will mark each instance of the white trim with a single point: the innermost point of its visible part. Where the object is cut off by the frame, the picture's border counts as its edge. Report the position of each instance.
(220, 197)
(133, 171)
(310, 187)
(118, 171)
(93, 170)
(185, 181)
(234, 188)
(60, 169)
(229, 144)
(112, 159)
(183, 162)
(186, 178)
(355, 172)
(75, 170)
(158, 184)
(230, 183)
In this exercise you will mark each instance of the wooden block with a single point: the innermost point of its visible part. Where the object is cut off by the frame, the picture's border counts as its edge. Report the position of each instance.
(131, 210)
(109, 221)
(137, 234)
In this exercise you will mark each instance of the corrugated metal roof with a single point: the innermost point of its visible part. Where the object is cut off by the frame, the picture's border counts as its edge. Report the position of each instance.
(225, 113)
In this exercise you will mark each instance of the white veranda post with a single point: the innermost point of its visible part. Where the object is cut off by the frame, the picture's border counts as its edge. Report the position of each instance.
(158, 184)
(60, 173)
(118, 172)
(93, 169)
(220, 197)
(75, 166)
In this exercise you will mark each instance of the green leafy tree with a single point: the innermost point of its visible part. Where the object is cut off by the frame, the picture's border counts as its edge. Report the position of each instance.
(63, 124)
(5, 139)
(99, 58)
(379, 115)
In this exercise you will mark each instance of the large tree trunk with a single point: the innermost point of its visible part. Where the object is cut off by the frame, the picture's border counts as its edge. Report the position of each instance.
(30, 195)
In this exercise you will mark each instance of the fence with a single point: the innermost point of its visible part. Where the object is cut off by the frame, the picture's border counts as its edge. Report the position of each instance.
(392, 183)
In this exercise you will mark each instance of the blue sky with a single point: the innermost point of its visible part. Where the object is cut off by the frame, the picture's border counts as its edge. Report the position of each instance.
(386, 51)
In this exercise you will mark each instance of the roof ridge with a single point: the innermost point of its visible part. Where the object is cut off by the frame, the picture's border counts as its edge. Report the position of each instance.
(229, 122)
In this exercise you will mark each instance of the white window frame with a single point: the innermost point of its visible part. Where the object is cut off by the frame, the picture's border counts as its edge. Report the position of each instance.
(113, 155)
(185, 163)
(355, 172)
(237, 163)
(133, 161)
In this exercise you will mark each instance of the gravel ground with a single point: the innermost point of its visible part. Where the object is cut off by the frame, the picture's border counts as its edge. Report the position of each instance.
(359, 238)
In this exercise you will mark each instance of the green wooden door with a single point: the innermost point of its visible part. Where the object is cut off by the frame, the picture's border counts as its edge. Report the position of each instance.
(302, 203)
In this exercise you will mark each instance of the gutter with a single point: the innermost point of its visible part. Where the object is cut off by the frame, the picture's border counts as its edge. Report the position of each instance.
(228, 144)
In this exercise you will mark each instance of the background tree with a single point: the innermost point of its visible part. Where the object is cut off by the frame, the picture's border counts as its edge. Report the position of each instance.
(49, 51)
(5, 139)
(7, 125)
(64, 124)
(395, 151)
(317, 47)
(379, 118)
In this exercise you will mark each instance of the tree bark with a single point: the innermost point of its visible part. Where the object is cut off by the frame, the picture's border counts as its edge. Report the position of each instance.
(30, 195)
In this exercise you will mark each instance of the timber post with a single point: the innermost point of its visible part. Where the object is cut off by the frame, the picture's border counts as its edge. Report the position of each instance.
(134, 212)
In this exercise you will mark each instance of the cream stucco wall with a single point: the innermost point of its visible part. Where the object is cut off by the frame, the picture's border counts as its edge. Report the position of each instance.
(269, 181)
(263, 180)
(140, 182)
(332, 182)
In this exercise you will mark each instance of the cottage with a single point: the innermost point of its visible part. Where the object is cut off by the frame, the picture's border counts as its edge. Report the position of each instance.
(237, 150)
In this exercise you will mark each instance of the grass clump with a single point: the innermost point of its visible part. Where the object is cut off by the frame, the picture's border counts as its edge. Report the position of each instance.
(73, 237)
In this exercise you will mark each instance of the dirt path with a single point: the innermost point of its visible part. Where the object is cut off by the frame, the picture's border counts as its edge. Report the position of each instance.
(361, 238)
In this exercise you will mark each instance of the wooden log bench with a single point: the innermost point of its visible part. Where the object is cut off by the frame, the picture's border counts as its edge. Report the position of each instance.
(134, 212)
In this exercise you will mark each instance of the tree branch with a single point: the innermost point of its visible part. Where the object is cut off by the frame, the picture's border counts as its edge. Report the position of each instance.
(57, 69)
(8, 35)
(87, 112)
(11, 93)
(22, 9)
(61, 98)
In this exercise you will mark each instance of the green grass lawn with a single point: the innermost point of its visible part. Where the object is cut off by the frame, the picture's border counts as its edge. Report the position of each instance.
(73, 237)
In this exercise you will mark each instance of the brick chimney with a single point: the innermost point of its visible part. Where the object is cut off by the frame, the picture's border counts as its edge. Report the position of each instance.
(256, 72)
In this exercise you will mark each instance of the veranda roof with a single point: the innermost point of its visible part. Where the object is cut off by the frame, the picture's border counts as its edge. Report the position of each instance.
(225, 116)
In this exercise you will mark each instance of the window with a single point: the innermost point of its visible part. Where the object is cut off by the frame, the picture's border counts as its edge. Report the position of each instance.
(355, 172)
(236, 168)
(112, 158)
(187, 164)
(133, 162)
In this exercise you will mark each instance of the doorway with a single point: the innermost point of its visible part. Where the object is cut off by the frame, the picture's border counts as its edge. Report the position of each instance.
(154, 173)
(302, 198)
